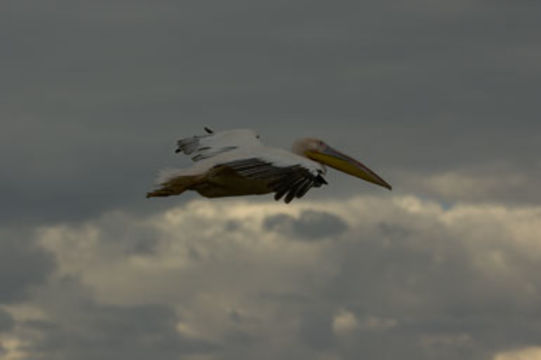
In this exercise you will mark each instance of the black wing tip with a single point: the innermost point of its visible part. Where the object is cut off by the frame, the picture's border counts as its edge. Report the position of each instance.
(322, 180)
(208, 130)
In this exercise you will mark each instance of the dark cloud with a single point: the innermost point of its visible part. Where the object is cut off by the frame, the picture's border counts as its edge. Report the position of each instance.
(407, 279)
(423, 289)
(285, 298)
(316, 329)
(80, 328)
(236, 339)
(98, 92)
(431, 284)
(23, 264)
(310, 225)
(490, 183)
(6, 321)
(123, 234)
(439, 97)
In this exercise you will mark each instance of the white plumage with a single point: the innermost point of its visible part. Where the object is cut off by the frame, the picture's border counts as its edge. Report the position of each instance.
(235, 162)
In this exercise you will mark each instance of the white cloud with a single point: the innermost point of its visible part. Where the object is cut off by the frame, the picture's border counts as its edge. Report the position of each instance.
(400, 268)
(495, 183)
(432, 340)
(344, 322)
(527, 353)
(374, 323)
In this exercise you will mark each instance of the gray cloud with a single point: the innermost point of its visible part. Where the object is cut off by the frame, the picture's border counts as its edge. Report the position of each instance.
(121, 234)
(310, 225)
(407, 279)
(316, 329)
(23, 264)
(6, 321)
(429, 282)
(439, 97)
(97, 93)
(83, 329)
(491, 183)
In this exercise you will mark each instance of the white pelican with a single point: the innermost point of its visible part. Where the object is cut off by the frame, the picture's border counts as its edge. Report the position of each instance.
(235, 162)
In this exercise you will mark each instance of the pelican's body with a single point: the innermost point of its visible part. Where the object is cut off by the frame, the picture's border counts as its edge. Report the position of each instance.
(235, 162)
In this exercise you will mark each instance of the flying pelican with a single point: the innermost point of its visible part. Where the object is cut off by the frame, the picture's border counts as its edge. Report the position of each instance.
(235, 162)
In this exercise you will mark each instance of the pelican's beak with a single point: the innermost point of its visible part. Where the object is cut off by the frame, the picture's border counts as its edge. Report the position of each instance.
(344, 163)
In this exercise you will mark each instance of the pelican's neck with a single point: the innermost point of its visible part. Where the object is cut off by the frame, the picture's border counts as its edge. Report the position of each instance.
(300, 146)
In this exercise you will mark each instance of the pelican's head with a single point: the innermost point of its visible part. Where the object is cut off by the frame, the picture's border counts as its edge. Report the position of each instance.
(319, 151)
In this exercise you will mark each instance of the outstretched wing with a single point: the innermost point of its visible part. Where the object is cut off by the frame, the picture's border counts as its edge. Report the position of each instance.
(293, 181)
(205, 146)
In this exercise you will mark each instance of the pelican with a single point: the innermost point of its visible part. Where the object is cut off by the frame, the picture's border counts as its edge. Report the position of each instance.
(235, 162)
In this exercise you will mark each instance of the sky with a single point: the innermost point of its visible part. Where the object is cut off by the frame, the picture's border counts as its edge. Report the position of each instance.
(441, 98)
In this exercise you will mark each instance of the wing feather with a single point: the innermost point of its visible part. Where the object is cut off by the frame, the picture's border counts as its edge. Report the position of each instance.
(202, 147)
(291, 181)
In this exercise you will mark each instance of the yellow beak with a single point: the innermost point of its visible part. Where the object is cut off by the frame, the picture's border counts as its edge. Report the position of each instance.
(344, 163)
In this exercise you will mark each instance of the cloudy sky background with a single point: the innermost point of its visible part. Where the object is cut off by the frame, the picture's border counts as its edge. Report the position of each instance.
(441, 98)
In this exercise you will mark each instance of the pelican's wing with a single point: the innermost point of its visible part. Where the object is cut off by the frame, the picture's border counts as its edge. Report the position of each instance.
(205, 146)
(289, 180)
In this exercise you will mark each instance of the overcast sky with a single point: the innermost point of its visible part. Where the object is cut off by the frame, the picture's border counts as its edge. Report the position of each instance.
(439, 97)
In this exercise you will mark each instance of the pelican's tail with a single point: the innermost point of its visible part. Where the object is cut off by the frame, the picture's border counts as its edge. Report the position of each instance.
(174, 182)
